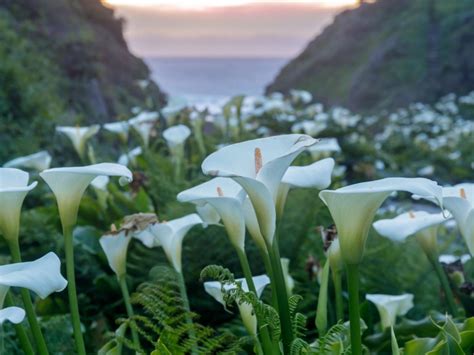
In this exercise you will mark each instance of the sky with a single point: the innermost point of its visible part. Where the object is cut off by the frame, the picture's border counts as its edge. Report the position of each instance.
(224, 28)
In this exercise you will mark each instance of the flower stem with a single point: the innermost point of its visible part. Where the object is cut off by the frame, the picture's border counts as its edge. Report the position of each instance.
(266, 342)
(26, 297)
(71, 289)
(189, 321)
(354, 315)
(20, 331)
(128, 306)
(282, 296)
(443, 279)
(336, 278)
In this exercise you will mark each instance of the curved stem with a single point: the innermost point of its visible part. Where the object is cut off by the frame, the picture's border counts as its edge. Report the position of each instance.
(71, 290)
(20, 331)
(443, 279)
(336, 278)
(29, 308)
(282, 296)
(354, 314)
(189, 321)
(128, 306)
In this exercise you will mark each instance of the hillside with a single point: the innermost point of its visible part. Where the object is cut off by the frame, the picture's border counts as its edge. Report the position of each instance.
(388, 54)
(64, 61)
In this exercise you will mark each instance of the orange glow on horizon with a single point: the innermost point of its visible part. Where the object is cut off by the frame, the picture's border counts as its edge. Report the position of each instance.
(203, 4)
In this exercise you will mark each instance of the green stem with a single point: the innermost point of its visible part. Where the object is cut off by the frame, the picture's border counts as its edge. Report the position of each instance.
(29, 308)
(266, 342)
(20, 331)
(71, 290)
(443, 279)
(336, 278)
(354, 315)
(268, 267)
(282, 296)
(128, 306)
(189, 321)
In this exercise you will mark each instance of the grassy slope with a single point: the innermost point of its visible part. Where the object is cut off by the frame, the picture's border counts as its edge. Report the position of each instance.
(388, 54)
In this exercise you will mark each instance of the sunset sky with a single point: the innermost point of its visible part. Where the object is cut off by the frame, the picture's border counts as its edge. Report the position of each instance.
(224, 28)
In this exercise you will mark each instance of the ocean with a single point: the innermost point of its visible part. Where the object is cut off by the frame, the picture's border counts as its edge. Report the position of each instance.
(211, 80)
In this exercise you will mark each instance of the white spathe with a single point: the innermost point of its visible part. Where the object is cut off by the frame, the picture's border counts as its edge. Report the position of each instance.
(289, 281)
(79, 136)
(38, 161)
(115, 247)
(69, 184)
(421, 223)
(208, 214)
(13, 189)
(143, 124)
(316, 175)
(14, 315)
(216, 288)
(121, 128)
(176, 135)
(259, 166)
(449, 259)
(42, 276)
(324, 147)
(130, 157)
(459, 200)
(390, 307)
(353, 208)
(225, 196)
(170, 235)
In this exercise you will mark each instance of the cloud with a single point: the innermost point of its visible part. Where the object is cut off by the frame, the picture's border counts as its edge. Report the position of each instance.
(256, 30)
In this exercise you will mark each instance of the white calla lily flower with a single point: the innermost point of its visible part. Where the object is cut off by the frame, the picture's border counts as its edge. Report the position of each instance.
(449, 259)
(121, 128)
(225, 196)
(175, 136)
(259, 166)
(38, 161)
(69, 184)
(215, 288)
(79, 136)
(115, 247)
(130, 157)
(420, 223)
(324, 147)
(170, 235)
(390, 307)
(143, 123)
(208, 214)
(13, 189)
(316, 175)
(14, 315)
(42, 276)
(252, 225)
(459, 201)
(353, 208)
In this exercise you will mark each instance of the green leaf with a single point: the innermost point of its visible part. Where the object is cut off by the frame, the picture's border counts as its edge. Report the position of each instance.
(395, 349)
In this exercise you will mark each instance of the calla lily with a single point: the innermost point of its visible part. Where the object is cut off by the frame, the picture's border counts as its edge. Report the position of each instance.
(316, 175)
(14, 315)
(143, 124)
(130, 157)
(38, 161)
(170, 236)
(69, 184)
(290, 282)
(324, 147)
(115, 247)
(390, 307)
(175, 136)
(420, 223)
(79, 136)
(120, 128)
(42, 276)
(459, 200)
(251, 223)
(208, 214)
(13, 189)
(225, 196)
(353, 208)
(138, 225)
(215, 288)
(450, 259)
(259, 166)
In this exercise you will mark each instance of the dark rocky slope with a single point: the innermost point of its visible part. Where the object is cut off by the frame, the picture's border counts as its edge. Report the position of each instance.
(388, 54)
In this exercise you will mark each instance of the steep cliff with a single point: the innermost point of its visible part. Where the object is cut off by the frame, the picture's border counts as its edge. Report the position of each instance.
(388, 54)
